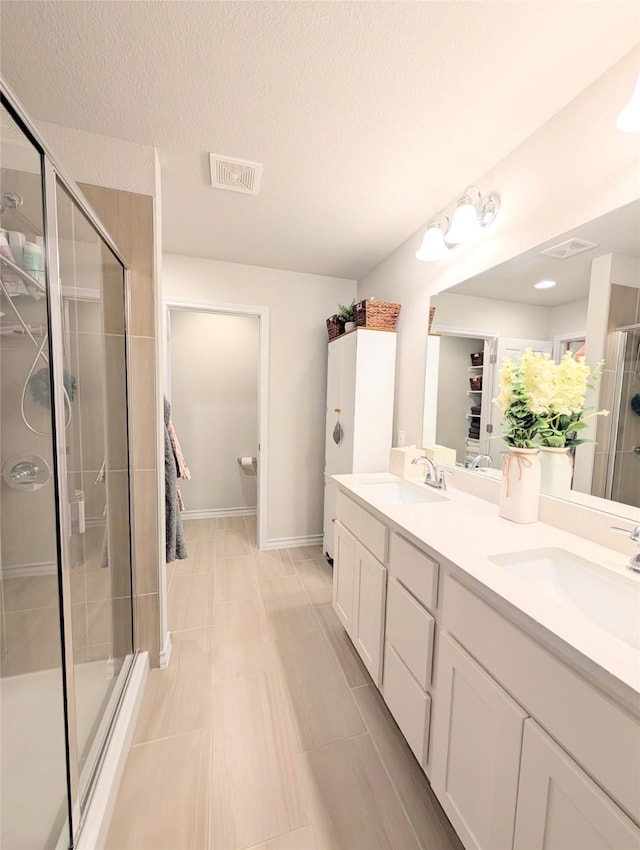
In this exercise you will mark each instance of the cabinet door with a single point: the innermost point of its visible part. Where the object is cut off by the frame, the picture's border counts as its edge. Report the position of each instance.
(344, 565)
(348, 401)
(330, 513)
(560, 807)
(368, 625)
(332, 459)
(476, 744)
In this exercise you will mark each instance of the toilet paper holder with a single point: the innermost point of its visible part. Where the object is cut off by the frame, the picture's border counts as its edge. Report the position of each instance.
(240, 459)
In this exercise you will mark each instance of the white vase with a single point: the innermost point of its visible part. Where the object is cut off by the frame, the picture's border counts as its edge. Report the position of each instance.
(556, 466)
(520, 494)
(349, 326)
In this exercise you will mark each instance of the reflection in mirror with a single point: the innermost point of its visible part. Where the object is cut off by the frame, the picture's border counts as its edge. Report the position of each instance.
(588, 304)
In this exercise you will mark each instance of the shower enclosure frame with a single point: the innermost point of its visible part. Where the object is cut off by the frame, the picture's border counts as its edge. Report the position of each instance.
(52, 177)
(620, 346)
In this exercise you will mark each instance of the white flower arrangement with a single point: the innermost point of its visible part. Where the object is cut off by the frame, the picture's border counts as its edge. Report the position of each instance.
(543, 401)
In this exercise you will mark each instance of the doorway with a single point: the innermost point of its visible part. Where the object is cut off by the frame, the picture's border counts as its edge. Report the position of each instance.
(216, 383)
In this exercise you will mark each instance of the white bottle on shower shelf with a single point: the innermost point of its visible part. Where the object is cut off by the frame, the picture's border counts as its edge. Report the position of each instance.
(33, 261)
(16, 243)
(12, 281)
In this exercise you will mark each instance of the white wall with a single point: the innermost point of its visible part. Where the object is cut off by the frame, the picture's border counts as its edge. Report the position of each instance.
(568, 318)
(298, 306)
(576, 167)
(214, 405)
(493, 317)
(101, 160)
(490, 316)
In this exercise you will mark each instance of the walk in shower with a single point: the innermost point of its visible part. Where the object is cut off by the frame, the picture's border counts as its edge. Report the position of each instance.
(66, 615)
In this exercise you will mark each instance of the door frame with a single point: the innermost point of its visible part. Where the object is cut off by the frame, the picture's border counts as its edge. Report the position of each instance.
(560, 340)
(262, 314)
(429, 415)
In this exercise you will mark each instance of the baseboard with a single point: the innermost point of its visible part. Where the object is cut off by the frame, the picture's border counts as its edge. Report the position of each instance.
(93, 834)
(218, 512)
(289, 542)
(165, 652)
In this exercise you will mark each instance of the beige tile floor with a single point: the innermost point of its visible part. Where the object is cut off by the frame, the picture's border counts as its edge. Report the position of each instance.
(265, 732)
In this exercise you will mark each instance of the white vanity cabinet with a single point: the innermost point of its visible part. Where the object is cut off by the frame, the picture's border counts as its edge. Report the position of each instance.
(566, 786)
(359, 593)
(476, 741)
(524, 746)
(409, 642)
(560, 807)
(370, 587)
(344, 567)
(360, 581)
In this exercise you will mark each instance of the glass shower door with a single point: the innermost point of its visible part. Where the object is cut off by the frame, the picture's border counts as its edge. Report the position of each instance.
(66, 607)
(92, 283)
(33, 766)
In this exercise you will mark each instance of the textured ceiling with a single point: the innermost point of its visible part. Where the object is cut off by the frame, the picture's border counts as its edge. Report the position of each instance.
(368, 116)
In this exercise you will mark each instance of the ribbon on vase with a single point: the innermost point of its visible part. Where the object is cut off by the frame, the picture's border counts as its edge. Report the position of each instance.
(523, 462)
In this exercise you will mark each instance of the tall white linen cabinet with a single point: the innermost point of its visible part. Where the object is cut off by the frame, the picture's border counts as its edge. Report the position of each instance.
(360, 386)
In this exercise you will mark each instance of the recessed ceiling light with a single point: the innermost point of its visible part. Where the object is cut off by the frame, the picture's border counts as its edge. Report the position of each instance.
(545, 284)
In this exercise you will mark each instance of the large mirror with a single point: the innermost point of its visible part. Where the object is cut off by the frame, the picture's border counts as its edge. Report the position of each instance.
(588, 304)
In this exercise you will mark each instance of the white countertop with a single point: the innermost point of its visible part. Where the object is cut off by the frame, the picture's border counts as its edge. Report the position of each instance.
(467, 530)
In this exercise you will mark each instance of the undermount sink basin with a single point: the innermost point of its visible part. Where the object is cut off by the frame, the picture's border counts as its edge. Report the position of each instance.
(402, 492)
(610, 600)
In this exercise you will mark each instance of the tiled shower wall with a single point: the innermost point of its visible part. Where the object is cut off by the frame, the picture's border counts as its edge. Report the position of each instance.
(624, 309)
(128, 217)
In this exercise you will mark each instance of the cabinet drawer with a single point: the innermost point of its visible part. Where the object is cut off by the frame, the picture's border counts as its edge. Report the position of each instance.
(417, 571)
(410, 629)
(408, 703)
(369, 531)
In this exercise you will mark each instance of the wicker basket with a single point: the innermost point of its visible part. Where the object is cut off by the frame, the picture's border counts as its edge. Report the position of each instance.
(477, 359)
(335, 327)
(476, 383)
(376, 314)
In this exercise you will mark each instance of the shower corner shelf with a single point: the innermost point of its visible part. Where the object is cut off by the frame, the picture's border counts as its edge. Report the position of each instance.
(29, 279)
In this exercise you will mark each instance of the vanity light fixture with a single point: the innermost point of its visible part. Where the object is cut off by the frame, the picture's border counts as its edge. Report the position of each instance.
(629, 117)
(433, 245)
(470, 217)
(545, 284)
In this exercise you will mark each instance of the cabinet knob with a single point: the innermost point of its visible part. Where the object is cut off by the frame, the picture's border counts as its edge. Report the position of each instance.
(337, 410)
(333, 519)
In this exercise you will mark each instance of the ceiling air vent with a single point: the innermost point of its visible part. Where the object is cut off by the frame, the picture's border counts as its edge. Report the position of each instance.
(568, 248)
(236, 175)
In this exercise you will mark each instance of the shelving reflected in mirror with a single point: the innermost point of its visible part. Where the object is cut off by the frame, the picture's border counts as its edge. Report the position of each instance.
(578, 292)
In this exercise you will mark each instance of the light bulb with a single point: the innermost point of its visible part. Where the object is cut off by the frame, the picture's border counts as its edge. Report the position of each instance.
(433, 245)
(464, 223)
(545, 284)
(629, 117)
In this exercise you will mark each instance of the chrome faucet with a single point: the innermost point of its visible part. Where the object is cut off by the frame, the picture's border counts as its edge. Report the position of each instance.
(634, 562)
(431, 477)
(478, 459)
